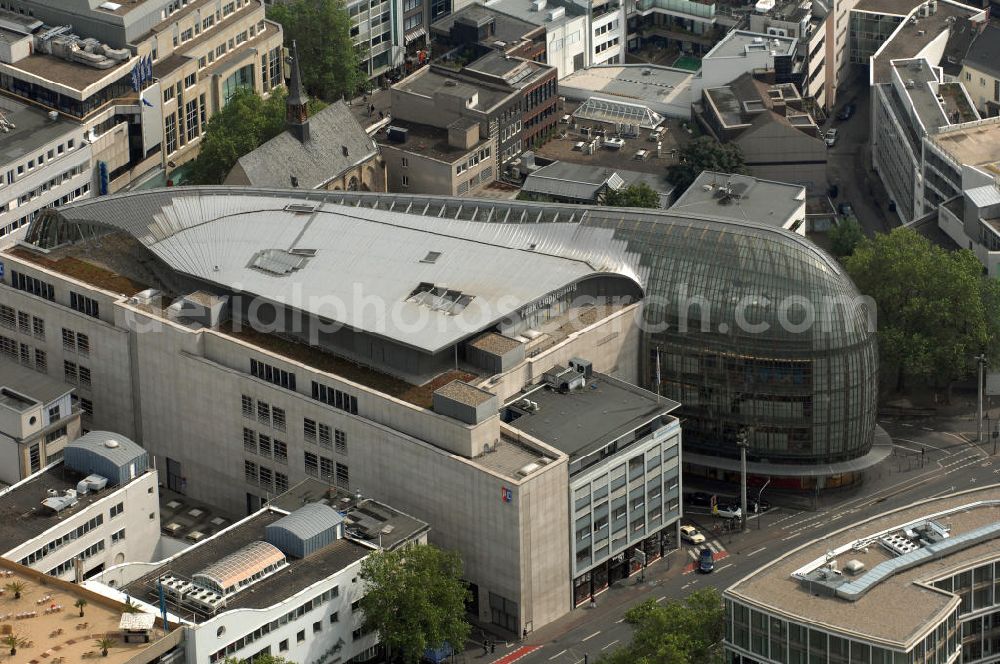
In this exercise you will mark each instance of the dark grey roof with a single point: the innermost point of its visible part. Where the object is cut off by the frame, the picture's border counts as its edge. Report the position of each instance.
(570, 181)
(30, 383)
(761, 201)
(315, 162)
(33, 129)
(294, 577)
(583, 420)
(309, 520)
(984, 54)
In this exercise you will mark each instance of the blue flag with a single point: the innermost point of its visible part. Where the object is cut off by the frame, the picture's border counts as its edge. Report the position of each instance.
(149, 68)
(135, 77)
(146, 102)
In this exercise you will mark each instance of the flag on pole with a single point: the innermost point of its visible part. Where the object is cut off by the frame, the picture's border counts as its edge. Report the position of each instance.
(135, 77)
(149, 68)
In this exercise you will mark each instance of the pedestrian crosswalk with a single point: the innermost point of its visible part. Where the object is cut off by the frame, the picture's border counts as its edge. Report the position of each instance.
(714, 545)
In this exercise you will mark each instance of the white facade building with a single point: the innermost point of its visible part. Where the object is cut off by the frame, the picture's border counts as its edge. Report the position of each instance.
(278, 582)
(76, 518)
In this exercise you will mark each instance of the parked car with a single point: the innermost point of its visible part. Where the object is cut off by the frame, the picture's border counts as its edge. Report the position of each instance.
(691, 534)
(729, 512)
(614, 143)
(831, 137)
(706, 561)
(845, 210)
(847, 111)
(698, 499)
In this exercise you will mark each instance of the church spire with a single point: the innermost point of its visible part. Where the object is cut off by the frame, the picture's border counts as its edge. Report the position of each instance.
(296, 112)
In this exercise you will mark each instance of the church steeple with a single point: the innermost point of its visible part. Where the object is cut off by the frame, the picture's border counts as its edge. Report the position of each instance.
(296, 112)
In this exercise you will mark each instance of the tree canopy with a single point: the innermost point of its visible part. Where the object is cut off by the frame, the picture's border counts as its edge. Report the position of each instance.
(936, 309)
(704, 154)
(678, 632)
(246, 122)
(634, 195)
(415, 599)
(845, 236)
(260, 659)
(328, 60)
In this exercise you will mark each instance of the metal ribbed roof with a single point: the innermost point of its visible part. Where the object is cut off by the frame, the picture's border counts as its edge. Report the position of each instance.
(114, 447)
(309, 520)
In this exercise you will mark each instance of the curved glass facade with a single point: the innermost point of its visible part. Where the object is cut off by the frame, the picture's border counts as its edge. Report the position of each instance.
(752, 327)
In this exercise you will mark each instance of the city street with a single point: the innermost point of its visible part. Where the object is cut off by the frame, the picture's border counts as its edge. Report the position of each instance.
(849, 163)
(929, 459)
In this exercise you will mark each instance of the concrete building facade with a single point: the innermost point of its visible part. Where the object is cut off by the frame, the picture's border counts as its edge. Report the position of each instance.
(72, 522)
(37, 413)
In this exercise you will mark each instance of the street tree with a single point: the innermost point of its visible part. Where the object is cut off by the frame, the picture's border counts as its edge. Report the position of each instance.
(330, 64)
(685, 631)
(845, 236)
(634, 195)
(935, 308)
(415, 600)
(704, 154)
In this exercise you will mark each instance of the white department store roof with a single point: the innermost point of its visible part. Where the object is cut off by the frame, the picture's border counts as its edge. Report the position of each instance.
(433, 281)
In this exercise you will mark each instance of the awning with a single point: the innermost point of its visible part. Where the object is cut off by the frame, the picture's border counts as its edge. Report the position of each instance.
(416, 33)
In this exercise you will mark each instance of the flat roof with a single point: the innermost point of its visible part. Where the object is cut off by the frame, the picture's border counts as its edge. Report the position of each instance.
(71, 75)
(741, 198)
(909, 40)
(740, 43)
(297, 575)
(583, 181)
(977, 146)
(515, 72)
(31, 383)
(898, 609)
(32, 130)
(583, 420)
(428, 141)
(525, 11)
(506, 28)
(366, 519)
(428, 81)
(636, 84)
(922, 95)
(63, 633)
(21, 510)
(889, 7)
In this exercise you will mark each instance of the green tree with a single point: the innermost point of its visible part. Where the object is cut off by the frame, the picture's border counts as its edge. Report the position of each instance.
(105, 643)
(15, 587)
(935, 308)
(260, 659)
(14, 641)
(80, 603)
(329, 62)
(845, 236)
(704, 154)
(415, 599)
(678, 632)
(243, 124)
(634, 195)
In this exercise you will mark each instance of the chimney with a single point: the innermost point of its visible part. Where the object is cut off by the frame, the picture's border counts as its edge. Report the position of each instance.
(296, 112)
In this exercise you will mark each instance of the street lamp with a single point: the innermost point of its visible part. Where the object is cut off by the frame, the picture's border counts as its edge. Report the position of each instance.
(981, 361)
(760, 508)
(743, 444)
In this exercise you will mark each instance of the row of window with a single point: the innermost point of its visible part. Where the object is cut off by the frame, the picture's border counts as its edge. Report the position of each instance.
(21, 352)
(67, 565)
(325, 469)
(268, 415)
(83, 304)
(274, 375)
(264, 477)
(59, 542)
(324, 435)
(265, 446)
(333, 397)
(28, 196)
(22, 321)
(15, 174)
(32, 285)
(77, 374)
(76, 342)
(273, 626)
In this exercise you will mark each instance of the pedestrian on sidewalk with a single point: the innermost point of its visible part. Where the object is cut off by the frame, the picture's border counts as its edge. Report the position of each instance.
(493, 647)
(486, 647)
(593, 602)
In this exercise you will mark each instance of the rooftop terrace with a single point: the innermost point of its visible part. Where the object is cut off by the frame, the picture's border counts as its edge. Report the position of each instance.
(977, 146)
(901, 607)
(61, 636)
(431, 142)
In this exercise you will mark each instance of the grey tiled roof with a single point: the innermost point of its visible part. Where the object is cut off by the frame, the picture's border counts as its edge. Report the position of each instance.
(318, 160)
(984, 54)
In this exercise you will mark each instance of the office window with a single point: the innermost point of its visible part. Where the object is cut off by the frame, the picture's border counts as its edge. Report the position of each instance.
(29, 284)
(38, 327)
(325, 437)
(317, 627)
(70, 372)
(265, 476)
(54, 413)
(82, 344)
(343, 479)
(280, 451)
(263, 413)
(300, 637)
(7, 316)
(250, 471)
(326, 469)
(116, 510)
(84, 304)
(118, 537)
(341, 440)
(41, 360)
(309, 430)
(335, 398)
(312, 464)
(278, 418)
(280, 482)
(247, 406)
(87, 406)
(171, 133)
(406, 181)
(264, 445)
(250, 440)
(84, 375)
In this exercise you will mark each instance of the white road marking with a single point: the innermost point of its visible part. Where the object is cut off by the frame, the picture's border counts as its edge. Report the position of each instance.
(587, 638)
(927, 428)
(558, 654)
(609, 645)
(719, 569)
(753, 553)
(685, 586)
(660, 599)
(619, 621)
